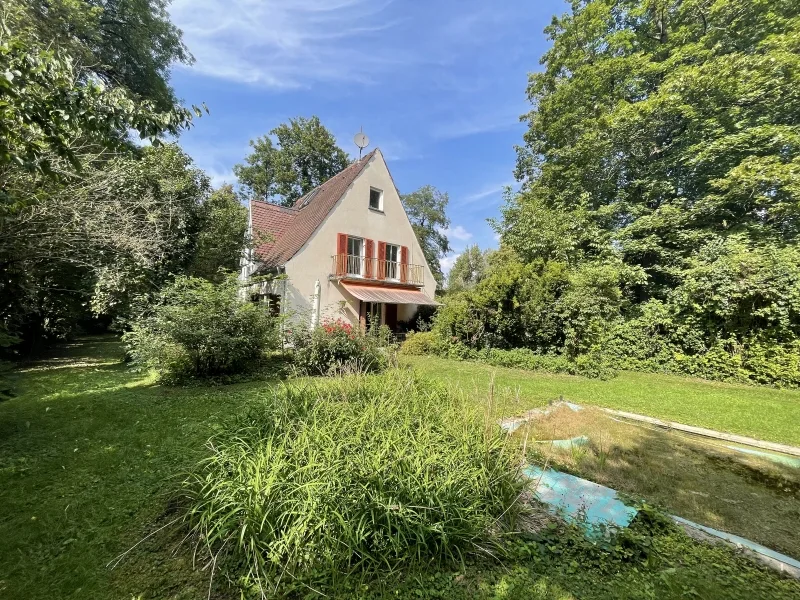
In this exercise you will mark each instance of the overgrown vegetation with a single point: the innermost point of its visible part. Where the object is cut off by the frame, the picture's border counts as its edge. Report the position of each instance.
(359, 474)
(431, 343)
(198, 329)
(657, 220)
(699, 479)
(90, 218)
(91, 450)
(336, 347)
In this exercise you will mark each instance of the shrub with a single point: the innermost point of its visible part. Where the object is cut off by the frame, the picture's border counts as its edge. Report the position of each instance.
(359, 473)
(419, 343)
(656, 341)
(592, 364)
(196, 328)
(337, 346)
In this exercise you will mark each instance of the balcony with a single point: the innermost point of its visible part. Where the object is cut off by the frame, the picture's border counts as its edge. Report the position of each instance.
(359, 268)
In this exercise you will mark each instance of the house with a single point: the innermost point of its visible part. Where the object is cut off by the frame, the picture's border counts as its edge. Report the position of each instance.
(346, 249)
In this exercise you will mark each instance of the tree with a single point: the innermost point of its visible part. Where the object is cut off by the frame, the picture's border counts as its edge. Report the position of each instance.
(468, 269)
(662, 127)
(124, 43)
(426, 210)
(306, 155)
(50, 101)
(88, 218)
(122, 227)
(223, 233)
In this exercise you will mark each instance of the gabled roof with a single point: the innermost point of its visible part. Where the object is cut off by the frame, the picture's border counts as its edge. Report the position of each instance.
(289, 228)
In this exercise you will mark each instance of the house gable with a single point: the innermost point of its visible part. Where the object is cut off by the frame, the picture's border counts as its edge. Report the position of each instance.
(352, 215)
(288, 229)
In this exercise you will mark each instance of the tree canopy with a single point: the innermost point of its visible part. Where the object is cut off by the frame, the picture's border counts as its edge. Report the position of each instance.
(89, 219)
(660, 127)
(300, 155)
(657, 222)
(427, 210)
(468, 269)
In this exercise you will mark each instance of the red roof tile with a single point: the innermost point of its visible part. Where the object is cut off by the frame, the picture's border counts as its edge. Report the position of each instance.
(287, 229)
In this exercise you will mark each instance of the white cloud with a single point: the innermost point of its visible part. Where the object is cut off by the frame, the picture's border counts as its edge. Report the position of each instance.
(485, 122)
(447, 262)
(493, 189)
(219, 178)
(283, 44)
(457, 232)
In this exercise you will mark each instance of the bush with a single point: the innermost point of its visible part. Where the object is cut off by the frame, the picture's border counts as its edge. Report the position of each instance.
(419, 343)
(656, 341)
(593, 364)
(360, 473)
(336, 346)
(199, 329)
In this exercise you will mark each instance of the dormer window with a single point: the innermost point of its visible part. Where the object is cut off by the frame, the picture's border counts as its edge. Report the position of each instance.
(375, 199)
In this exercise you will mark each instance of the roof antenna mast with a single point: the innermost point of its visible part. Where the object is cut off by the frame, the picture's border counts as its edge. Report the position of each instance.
(362, 141)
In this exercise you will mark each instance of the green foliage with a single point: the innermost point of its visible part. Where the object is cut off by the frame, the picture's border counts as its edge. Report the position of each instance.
(664, 126)
(336, 347)
(222, 237)
(659, 182)
(358, 474)
(196, 329)
(426, 209)
(468, 269)
(52, 99)
(421, 343)
(544, 306)
(88, 218)
(122, 43)
(306, 156)
(121, 228)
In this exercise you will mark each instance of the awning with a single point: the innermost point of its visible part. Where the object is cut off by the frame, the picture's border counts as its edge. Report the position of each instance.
(388, 295)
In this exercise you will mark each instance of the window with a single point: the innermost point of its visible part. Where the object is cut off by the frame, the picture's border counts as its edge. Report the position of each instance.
(392, 260)
(375, 199)
(355, 256)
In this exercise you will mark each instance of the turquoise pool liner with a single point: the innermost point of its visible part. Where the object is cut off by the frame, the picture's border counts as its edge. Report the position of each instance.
(783, 459)
(591, 505)
(597, 509)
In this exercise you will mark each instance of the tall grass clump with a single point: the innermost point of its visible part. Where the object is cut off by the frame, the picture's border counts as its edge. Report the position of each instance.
(361, 473)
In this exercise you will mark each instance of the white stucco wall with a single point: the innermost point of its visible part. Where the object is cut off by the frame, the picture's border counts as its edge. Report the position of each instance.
(353, 216)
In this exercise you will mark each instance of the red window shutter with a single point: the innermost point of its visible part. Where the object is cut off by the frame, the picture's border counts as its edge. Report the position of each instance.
(381, 260)
(341, 254)
(403, 263)
(369, 259)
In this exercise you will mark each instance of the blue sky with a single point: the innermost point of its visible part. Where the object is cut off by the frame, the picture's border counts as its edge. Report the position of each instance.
(438, 85)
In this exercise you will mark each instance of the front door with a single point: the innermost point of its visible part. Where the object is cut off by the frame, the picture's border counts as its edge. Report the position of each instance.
(391, 316)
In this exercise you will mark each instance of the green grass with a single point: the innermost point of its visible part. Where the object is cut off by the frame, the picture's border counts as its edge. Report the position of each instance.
(90, 455)
(695, 478)
(354, 475)
(760, 412)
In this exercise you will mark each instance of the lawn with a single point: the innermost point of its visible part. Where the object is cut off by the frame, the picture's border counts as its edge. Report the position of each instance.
(759, 412)
(90, 454)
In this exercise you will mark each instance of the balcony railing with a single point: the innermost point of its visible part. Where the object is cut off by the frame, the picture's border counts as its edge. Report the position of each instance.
(349, 266)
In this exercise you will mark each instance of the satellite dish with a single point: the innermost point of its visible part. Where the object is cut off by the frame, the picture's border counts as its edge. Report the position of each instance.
(362, 141)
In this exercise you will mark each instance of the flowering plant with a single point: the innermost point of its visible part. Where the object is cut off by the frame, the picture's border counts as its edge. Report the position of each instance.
(337, 346)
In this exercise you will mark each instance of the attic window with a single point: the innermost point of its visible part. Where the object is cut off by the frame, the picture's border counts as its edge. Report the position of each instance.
(375, 199)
